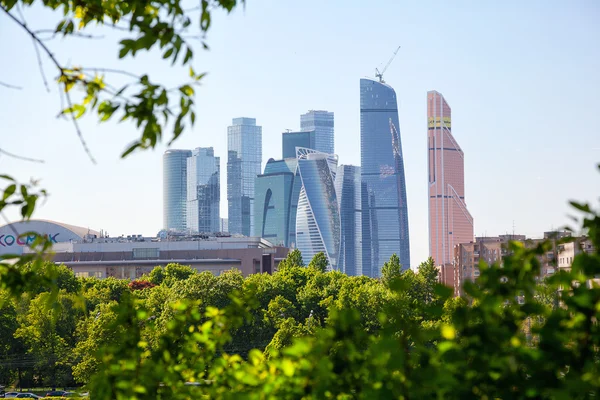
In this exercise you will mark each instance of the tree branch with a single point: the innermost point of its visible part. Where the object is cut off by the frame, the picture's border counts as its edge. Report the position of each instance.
(41, 65)
(9, 86)
(45, 48)
(76, 34)
(111, 70)
(18, 157)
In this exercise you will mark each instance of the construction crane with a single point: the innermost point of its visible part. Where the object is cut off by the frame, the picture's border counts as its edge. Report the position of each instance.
(380, 74)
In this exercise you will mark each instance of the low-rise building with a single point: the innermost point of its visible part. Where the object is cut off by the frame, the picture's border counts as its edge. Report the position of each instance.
(89, 253)
(492, 249)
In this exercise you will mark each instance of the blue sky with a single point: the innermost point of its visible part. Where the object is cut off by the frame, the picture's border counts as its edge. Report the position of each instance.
(521, 77)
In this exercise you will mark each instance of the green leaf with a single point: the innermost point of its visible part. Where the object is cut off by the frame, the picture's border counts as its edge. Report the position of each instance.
(581, 207)
(168, 53)
(9, 191)
(130, 149)
(188, 56)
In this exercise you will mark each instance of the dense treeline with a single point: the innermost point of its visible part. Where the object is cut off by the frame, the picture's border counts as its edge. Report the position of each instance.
(306, 333)
(57, 345)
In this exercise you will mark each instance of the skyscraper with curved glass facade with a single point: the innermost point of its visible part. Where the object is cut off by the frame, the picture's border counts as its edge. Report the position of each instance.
(244, 157)
(276, 202)
(318, 217)
(175, 189)
(384, 208)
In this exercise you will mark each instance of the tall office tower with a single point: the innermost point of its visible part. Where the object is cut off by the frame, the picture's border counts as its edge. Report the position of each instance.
(347, 185)
(321, 122)
(318, 217)
(175, 189)
(291, 140)
(244, 156)
(203, 191)
(276, 201)
(384, 208)
(450, 223)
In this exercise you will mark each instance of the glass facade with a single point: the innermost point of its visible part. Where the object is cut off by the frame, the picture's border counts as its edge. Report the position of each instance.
(276, 201)
(203, 191)
(383, 192)
(318, 218)
(321, 122)
(450, 222)
(347, 185)
(291, 140)
(175, 189)
(244, 157)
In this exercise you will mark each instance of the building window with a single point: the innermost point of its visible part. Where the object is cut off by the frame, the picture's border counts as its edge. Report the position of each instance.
(145, 253)
(82, 274)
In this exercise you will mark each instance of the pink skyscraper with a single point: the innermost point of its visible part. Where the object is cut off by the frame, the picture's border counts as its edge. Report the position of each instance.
(450, 223)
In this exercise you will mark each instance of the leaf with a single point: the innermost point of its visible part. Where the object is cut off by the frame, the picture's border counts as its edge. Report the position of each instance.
(168, 53)
(581, 207)
(131, 149)
(9, 191)
(187, 90)
(188, 56)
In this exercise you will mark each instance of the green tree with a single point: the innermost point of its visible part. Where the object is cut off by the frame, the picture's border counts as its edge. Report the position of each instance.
(319, 262)
(293, 259)
(49, 336)
(391, 269)
(170, 274)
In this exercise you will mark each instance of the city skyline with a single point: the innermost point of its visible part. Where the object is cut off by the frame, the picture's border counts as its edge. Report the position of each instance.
(489, 59)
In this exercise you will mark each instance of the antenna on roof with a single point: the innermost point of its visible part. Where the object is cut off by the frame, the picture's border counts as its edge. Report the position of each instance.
(380, 74)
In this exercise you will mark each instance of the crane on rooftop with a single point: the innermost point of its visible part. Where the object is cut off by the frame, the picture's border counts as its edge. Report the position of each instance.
(380, 74)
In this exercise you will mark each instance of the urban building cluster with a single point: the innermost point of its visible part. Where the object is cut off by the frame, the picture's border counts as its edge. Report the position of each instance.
(304, 199)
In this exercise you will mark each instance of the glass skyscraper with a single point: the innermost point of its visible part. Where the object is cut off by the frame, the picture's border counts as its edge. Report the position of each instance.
(276, 202)
(244, 157)
(347, 184)
(318, 218)
(383, 192)
(203, 191)
(321, 122)
(175, 189)
(291, 140)
(450, 222)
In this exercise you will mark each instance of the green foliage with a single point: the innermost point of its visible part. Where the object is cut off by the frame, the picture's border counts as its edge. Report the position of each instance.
(293, 259)
(162, 25)
(391, 269)
(319, 262)
(170, 274)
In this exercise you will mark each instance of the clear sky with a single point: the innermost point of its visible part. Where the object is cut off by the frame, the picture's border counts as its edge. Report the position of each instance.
(522, 79)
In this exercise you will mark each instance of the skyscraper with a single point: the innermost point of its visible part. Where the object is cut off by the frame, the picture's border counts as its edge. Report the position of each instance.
(450, 223)
(383, 192)
(244, 156)
(203, 191)
(175, 189)
(276, 202)
(291, 140)
(321, 122)
(318, 218)
(347, 185)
